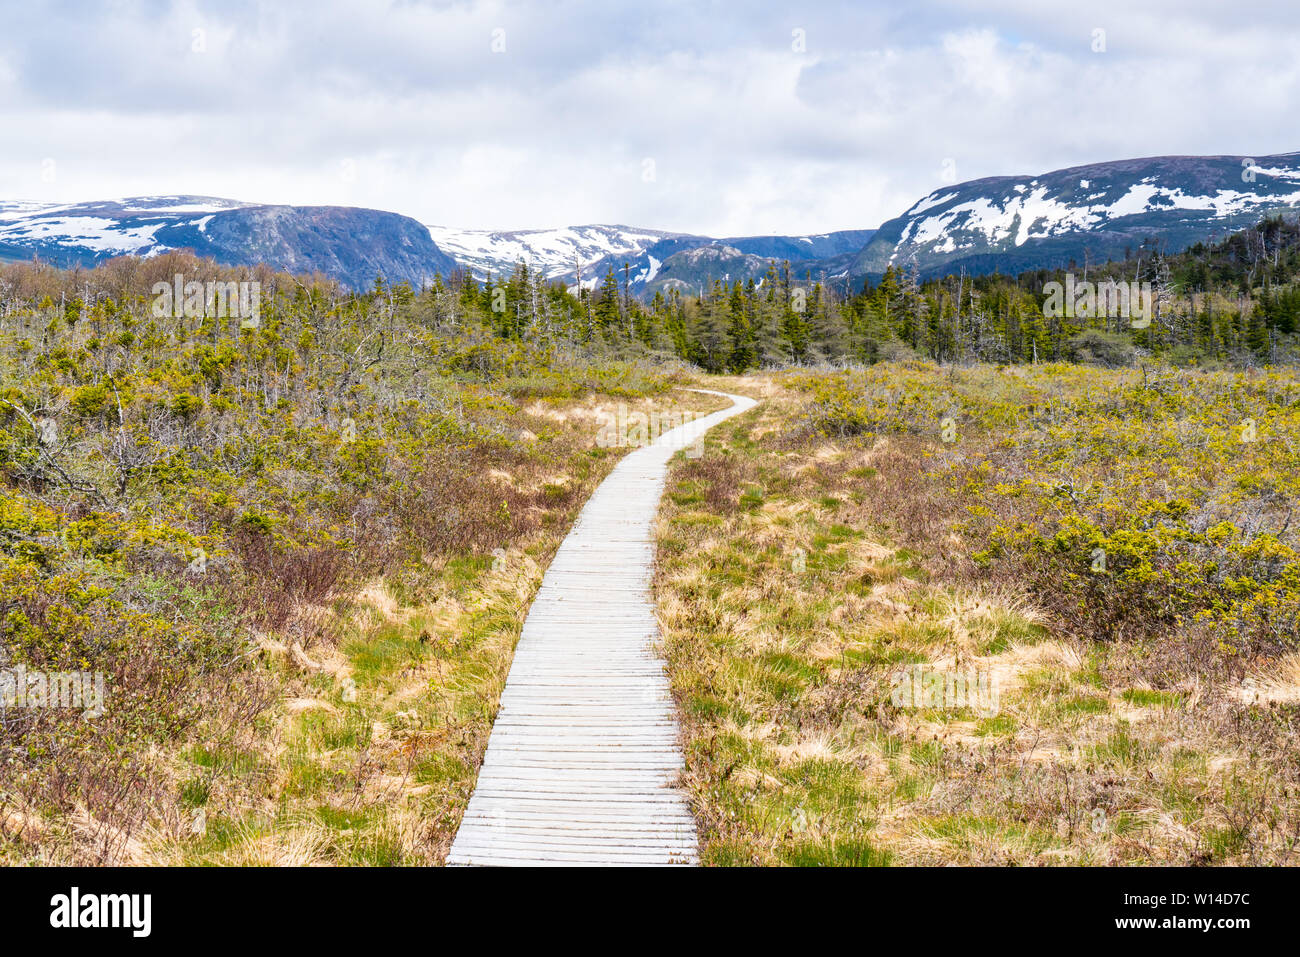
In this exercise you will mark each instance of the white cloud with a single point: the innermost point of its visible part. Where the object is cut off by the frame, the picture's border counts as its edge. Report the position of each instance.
(405, 106)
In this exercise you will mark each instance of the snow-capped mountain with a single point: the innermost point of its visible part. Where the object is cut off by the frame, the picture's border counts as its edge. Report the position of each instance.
(112, 227)
(351, 245)
(1102, 211)
(586, 253)
(692, 271)
(692, 264)
(556, 252)
(1007, 223)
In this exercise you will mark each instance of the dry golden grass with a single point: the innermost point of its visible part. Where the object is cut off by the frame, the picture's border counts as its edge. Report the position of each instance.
(790, 602)
(372, 751)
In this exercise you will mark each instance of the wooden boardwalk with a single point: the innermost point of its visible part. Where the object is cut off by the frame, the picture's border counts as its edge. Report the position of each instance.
(581, 763)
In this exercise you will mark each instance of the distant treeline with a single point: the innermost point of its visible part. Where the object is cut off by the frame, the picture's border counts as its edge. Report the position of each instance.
(1236, 300)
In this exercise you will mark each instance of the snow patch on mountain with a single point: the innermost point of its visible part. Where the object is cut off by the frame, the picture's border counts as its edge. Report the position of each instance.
(1032, 213)
(555, 252)
(89, 232)
(1099, 210)
(106, 227)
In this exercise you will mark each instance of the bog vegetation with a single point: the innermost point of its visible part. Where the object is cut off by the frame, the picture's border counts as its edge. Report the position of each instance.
(300, 550)
(1113, 552)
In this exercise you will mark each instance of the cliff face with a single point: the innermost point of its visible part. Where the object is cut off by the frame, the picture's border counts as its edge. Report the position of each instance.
(1013, 223)
(351, 245)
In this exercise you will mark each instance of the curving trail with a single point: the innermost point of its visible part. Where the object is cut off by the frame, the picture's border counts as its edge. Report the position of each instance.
(580, 766)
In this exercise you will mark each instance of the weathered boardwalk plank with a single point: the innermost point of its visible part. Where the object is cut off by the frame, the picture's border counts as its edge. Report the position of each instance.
(580, 766)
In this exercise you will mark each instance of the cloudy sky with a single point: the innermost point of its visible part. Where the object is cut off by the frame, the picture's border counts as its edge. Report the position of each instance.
(719, 118)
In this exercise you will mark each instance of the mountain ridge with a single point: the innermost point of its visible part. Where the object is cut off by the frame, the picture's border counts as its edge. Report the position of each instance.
(600, 247)
(1089, 212)
(1098, 210)
(351, 244)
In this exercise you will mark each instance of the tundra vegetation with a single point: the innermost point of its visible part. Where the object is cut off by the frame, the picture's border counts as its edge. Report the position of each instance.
(300, 549)
(1114, 551)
